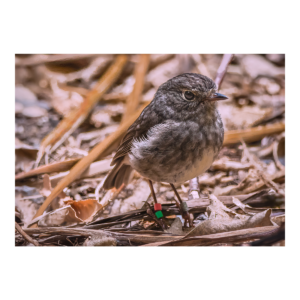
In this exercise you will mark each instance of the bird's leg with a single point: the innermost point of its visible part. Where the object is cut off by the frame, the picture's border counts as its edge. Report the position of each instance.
(157, 206)
(183, 208)
(152, 191)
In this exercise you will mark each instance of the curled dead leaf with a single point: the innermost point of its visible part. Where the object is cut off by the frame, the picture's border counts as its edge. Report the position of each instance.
(73, 213)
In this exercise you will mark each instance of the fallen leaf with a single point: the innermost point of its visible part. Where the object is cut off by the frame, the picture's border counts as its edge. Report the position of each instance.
(223, 219)
(73, 213)
(176, 227)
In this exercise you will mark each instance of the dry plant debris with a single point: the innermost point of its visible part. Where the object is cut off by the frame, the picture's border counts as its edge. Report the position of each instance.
(71, 112)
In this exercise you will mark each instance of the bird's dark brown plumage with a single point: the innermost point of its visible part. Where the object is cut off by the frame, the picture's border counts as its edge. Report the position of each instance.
(173, 138)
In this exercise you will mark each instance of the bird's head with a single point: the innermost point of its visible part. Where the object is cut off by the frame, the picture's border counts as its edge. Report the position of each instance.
(190, 91)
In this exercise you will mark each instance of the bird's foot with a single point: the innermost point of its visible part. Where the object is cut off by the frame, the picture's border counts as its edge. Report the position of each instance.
(185, 214)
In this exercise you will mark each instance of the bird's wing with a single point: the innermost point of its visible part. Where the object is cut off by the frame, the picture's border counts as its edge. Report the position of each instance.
(137, 130)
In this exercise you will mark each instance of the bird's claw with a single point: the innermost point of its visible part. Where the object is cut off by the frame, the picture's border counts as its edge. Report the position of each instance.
(187, 219)
(185, 214)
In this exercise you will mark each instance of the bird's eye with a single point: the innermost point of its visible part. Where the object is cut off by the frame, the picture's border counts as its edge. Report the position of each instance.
(189, 95)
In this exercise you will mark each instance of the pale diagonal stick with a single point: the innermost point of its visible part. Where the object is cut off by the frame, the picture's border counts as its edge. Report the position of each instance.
(140, 72)
(72, 121)
(223, 69)
(84, 163)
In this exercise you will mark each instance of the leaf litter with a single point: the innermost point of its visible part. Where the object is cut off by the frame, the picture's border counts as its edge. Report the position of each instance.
(240, 199)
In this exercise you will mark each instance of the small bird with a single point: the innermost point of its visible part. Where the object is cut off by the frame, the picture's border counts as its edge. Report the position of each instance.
(175, 138)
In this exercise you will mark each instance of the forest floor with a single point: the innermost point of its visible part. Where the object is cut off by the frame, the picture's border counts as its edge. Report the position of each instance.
(71, 113)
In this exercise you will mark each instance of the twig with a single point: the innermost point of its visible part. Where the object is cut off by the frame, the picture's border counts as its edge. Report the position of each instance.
(249, 199)
(222, 69)
(96, 167)
(25, 235)
(60, 166)
(67, 126)
(44, 58)
(258, 185)
(111, 195)
(64, 231)
(252, 134)
(99, 187)
(139, 75)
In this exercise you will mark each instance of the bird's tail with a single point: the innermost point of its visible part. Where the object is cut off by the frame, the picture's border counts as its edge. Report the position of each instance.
(119, 174)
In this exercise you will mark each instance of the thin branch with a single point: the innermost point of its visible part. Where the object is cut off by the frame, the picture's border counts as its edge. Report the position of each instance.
(252, 134)
(50, 58)
(222, 69)
(140, 72)
(25, 235)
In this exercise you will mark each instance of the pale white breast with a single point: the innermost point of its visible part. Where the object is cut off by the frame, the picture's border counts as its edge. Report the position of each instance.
(196, 169)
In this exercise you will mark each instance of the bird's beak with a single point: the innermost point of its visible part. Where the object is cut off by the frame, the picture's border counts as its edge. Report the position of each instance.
(217, 97)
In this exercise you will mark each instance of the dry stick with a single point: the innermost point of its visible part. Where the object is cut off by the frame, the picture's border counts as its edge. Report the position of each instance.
(139, 75)
(222, 69)
(252, 134)
(84, 163)
(194, 191)
(60, 166)
(72, 121)
(41, 59)
(25, 235)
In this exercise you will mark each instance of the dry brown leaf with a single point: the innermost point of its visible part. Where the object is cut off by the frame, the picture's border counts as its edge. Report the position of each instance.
(85, 209)
(176, 227)
(75, 212)
(223, 219)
